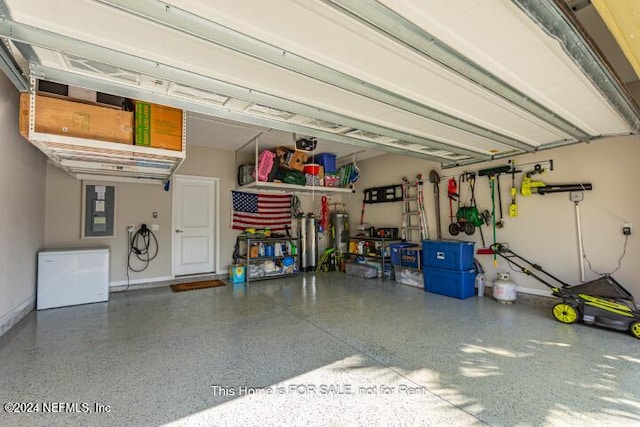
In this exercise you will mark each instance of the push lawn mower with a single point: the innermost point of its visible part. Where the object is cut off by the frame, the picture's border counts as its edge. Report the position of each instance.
(603, 301)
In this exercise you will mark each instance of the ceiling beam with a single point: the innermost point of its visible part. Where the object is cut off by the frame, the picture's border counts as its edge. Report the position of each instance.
(210, 31)
(38, 37)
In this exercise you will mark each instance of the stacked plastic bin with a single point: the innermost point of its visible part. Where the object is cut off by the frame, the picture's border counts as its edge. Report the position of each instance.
(448, 268)
(406, 259)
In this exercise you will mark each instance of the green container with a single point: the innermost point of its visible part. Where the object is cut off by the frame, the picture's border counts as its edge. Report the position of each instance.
(143, 123)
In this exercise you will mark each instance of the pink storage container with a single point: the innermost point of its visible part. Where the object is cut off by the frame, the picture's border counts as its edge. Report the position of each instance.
(265, 164)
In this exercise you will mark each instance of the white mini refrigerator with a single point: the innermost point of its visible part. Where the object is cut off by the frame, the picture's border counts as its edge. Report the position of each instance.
(72, 277)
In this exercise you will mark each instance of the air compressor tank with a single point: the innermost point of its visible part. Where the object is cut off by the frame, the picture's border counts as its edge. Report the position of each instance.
(311, 242)
(302, 233)
(340, 231)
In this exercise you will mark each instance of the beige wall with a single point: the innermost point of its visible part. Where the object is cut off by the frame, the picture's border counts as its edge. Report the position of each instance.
(545, 230)
(135, 204)
(22, 173)
(383, 171)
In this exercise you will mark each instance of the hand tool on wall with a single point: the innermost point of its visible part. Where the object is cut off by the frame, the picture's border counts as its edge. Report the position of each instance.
(493, 215)
(500, 222)
(494, 181)
(513, 207)
(452, 194)
(361, 227)
(434, 178)
(530, 187)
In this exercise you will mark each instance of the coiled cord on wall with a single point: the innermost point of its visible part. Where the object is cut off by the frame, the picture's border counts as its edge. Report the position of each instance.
(144, 244)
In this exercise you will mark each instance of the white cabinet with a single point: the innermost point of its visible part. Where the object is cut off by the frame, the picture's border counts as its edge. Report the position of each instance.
(72, 277)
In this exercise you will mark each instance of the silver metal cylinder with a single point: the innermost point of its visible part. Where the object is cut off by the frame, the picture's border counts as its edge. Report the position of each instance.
(340, 231)
(312, 242)
(302, 250)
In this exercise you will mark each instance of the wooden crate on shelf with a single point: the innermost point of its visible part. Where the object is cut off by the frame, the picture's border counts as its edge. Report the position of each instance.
(68, 118)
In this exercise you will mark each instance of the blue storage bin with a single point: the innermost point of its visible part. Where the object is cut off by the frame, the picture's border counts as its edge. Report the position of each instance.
(406, 254)
(450, 283)
(327, 160)
(449, 254)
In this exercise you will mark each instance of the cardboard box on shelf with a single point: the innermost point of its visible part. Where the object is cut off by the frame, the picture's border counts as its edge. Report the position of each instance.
(158, 126)
(63, 117)
(292, 159)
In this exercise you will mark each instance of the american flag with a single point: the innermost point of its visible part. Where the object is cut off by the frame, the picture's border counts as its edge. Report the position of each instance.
(261, 211)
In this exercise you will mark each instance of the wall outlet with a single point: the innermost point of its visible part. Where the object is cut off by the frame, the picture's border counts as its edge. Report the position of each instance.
(576, 196)
(131, 228)
(626, 229)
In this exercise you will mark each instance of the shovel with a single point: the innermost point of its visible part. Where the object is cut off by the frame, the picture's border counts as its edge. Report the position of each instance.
(499, 223)
(434, 178)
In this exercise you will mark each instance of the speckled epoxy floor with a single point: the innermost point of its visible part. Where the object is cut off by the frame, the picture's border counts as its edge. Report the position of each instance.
(315, 350)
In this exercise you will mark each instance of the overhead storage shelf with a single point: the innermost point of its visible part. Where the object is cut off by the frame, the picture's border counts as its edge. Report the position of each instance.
(262, 186)
(292, 188)
(101, 160)
(108, 161)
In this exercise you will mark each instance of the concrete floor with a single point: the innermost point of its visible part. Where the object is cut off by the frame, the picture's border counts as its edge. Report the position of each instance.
(323, 350)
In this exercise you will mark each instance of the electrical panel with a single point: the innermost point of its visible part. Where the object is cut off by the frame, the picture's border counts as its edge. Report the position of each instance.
(99, 211)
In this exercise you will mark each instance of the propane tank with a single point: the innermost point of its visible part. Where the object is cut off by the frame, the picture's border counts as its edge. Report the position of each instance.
(504, 289)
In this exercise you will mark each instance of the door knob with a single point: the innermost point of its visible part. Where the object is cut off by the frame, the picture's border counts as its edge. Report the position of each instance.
(179, 231)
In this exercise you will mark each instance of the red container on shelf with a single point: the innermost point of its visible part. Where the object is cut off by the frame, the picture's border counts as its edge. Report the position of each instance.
(312, 168)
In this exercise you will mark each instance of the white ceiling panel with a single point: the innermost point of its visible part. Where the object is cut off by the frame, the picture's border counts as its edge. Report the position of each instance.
(311, 30)
(497, 35)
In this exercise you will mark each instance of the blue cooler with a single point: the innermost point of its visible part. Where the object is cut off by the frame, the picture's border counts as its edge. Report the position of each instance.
(448, 254)
(327, 160)
(450, 283)
(405, 254)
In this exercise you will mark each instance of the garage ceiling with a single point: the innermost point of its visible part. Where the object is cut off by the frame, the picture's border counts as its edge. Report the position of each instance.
(457, 82)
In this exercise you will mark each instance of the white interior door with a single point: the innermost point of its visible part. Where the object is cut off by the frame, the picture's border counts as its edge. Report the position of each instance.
(194, 224)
